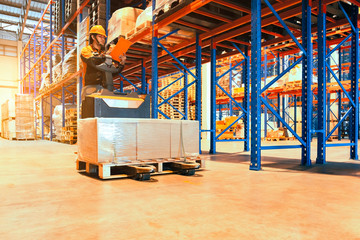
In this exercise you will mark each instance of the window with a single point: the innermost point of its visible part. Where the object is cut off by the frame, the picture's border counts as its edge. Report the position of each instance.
(7, 50)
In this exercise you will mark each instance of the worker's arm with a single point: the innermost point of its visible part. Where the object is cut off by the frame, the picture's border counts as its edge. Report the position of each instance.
(91, 58)
(121, 63)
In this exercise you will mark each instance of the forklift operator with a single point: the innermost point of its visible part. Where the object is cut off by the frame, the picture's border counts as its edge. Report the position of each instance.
(93, 55)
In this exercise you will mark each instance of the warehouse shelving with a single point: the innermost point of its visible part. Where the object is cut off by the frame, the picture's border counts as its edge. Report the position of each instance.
(45, 45)
(217, 36)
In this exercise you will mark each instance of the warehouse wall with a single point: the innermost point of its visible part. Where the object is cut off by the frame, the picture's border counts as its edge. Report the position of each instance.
(9, 69)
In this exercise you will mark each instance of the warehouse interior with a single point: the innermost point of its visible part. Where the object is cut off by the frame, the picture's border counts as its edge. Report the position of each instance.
(179, 119)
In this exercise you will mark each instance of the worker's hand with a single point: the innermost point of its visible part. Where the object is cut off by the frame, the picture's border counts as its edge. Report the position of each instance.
(110, 49)
(122, 59)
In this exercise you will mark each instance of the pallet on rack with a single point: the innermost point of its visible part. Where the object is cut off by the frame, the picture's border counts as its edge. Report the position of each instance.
(138, 30)
(121, 170)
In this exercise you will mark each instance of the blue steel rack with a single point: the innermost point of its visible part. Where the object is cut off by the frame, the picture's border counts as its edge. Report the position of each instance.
(307, 94)
(41, 48)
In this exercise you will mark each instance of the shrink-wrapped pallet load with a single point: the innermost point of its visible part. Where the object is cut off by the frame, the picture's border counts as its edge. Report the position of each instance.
(8, 119)
(122, 21)
(69, 64)
(125, 140)
(24, 116)
(84, 33)
(57, 121)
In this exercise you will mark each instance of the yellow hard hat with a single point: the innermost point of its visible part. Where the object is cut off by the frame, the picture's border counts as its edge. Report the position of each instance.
(98, 29)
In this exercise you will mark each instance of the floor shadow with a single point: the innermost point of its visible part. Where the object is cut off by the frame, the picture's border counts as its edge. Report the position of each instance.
(288, 164)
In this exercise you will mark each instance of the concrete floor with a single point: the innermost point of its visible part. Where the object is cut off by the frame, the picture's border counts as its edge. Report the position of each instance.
(42, 196)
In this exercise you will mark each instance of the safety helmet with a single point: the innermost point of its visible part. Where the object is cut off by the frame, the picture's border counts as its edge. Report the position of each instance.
(98, 29)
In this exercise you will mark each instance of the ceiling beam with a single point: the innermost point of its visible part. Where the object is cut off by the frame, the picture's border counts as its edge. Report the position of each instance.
(28, 2)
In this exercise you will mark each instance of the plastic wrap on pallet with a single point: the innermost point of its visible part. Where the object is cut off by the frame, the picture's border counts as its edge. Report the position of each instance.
(57, 121)
(8, 109)
(145, 16)
(122, 21)
(125, 140)
(24, 116)
(69, 64)
(153, 139)
(8, 129)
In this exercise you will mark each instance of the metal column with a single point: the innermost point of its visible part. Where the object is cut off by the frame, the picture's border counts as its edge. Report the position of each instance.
(246, 73)
(198, 87)
(154, 62)
(306, 83)
(255, 85)
(213, 99)
(321, 124)
(354, 93)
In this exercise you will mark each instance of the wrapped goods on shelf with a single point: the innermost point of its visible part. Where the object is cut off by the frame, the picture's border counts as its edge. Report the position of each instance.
(84, 33)
(145, 16)
(123, 140)
(45, 82)
(24, 116)
(57, 121)
(122, 21)
(8, 129)
(8, 109)
(56, 59)
(57, 72)
(69, 131)
(69, 64)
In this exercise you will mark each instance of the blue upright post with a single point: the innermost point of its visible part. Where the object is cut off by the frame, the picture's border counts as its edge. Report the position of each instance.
(230, 90)
(154, 62)
(255, 85)
(198, 87)
(63, 105)
(246, 81)
(265, 109)
(277, 74)
(339, 115)
(51, 122)
(295, 113)
(354, 116)
(339, 94)
(327, 97)
(62, 25)
(29, 88)
(321, 123)
(34, 67)
(24, 70)
(306, 97)
(143, 77)
(42, 118)
(213, 98)
(121, 85)
(220, 112)
(283, 108)
(279, 102)
(107, 16)
(51, 35)
(185, 95)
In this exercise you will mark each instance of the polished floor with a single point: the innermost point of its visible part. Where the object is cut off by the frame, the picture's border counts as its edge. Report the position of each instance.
(42, 196)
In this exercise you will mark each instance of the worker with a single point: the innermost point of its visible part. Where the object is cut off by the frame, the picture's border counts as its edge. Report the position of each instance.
(93, 55)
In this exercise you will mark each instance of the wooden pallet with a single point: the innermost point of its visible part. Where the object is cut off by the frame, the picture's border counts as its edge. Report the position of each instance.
(138, 30)
(279, 138)
(119, 170)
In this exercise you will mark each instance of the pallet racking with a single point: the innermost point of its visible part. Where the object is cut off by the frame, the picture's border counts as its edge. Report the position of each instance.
(282, 34)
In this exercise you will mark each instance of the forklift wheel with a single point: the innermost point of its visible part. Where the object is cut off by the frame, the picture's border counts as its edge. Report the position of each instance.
(142, 176)
(187, 172)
